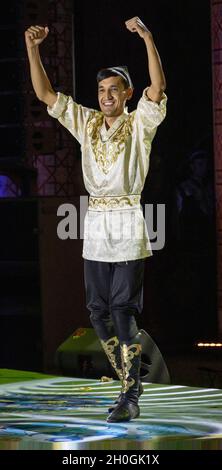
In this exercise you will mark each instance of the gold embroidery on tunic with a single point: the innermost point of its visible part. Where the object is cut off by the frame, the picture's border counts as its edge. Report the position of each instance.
(107, 153)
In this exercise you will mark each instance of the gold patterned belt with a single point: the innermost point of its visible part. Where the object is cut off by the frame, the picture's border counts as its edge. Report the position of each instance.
(113, 202)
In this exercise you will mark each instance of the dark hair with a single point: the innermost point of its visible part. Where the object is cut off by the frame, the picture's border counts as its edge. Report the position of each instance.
(115, 72)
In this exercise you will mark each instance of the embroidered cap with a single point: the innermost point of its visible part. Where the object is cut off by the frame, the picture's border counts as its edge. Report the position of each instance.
(121, 70)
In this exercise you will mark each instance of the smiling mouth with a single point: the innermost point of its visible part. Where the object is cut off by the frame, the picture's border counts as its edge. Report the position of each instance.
(108, 103)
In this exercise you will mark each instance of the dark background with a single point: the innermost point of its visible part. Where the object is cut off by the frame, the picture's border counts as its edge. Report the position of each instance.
(180, 280)
(183, 37)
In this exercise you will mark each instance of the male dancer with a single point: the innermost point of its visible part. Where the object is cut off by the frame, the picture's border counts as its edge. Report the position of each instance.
(115, 161)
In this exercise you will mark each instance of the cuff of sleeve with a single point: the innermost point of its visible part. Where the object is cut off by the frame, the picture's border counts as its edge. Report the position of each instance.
(146, 98)
(57, 109)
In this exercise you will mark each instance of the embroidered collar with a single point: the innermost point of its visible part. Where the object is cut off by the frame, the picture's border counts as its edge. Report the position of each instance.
(106, 134)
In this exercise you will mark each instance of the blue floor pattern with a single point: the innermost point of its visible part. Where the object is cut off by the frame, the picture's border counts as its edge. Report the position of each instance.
(66, 413)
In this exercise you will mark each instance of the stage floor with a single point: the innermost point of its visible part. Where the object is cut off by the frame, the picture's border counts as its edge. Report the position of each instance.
(65, 413)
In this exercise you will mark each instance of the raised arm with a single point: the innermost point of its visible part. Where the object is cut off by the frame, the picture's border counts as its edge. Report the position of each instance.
(41, 84)
(156, 74)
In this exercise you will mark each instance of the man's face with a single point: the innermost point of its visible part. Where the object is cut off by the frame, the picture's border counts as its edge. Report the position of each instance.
(112, 96)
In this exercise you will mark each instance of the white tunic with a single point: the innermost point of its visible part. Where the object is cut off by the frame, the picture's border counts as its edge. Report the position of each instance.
(115, 164)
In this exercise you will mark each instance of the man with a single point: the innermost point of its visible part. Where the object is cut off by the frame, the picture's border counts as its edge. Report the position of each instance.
(115, 161)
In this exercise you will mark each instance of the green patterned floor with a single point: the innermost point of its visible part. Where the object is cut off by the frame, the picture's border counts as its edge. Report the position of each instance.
(12, 376)
(39, 412)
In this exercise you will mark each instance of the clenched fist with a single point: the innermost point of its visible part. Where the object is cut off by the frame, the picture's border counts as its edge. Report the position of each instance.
(135, 25)
(35, 35)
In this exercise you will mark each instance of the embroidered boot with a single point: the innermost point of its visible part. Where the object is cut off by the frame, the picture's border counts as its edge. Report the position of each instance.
(128, 408)
(112, 350)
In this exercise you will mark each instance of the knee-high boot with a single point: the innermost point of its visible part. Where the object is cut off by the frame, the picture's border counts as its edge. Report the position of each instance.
(105, 330)
(113, 352)
(128, 407)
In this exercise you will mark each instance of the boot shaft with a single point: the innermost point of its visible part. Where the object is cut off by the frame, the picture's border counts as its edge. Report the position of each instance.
(131, 361)
(112, 350)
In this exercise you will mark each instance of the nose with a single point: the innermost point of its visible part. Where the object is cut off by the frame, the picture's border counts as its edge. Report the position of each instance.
(108, 94)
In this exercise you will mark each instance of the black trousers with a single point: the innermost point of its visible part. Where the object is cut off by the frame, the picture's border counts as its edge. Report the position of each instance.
(114, 294)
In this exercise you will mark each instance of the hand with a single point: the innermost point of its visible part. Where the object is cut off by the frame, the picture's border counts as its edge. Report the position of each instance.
(35, 35)
(135, 25)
